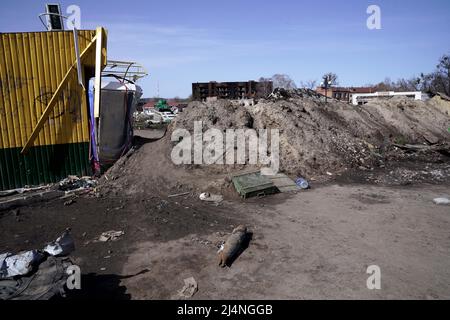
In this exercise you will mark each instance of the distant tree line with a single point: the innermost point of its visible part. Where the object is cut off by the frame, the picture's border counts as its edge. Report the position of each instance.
(436, 81)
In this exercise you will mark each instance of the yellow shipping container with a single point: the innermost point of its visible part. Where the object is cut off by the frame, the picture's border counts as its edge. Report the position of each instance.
(32, 67)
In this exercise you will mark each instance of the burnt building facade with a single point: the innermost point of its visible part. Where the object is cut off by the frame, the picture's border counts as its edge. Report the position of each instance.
(231, 90)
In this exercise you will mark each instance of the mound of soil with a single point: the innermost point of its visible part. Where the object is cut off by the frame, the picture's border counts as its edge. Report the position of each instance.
(316, 138)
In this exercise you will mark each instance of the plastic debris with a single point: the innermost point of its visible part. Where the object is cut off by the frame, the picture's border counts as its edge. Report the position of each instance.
(74, 183)
(206, 196)
(36, 274)
(69, 202)
(110, 236)
(12, 265)
(44, 282)
(189, 289)
(302, 183)
(22, 190)
(442, 201)
(61, 246)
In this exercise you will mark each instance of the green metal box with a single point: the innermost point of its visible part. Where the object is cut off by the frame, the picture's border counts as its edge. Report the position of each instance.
(253, 184)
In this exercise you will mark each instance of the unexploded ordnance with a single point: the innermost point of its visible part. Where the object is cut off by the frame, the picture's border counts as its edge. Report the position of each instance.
(232, 246)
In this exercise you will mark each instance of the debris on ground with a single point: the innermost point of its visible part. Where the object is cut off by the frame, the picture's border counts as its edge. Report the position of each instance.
(110, 236)
(318, 141)
(69, 202)
(302, 183)
(189, 289)
(163, 204)
(12, 265)
(48, 281)
(318, 138)
(232, 246)
(282, 94)
(443, 201)
(179, 194)
(206, 196)
(74, 183)
(6, 193)
(36, 274)
(62, 246)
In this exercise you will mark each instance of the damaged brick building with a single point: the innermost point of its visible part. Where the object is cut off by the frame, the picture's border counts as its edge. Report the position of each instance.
(231, 90)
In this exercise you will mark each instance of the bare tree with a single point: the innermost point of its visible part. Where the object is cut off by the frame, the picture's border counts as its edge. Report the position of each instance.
(309, 84)
(283, 81)
(442, 75)
(436, 81)
(329, 80)
(412, 84)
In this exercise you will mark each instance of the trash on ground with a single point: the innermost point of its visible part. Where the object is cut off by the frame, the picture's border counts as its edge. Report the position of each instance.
(72, 183)
(443, 201)
(179, 194)
(110, 236)
(206, 196)
(232, 246)
(46, 281)
(69, 202)
(6, 193)
(23, 263)
(189, 289)
(302, 183)
(12, 265)
(163, 204)
(61, 246)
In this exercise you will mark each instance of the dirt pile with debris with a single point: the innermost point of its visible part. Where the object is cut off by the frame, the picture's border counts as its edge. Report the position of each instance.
(318, 140)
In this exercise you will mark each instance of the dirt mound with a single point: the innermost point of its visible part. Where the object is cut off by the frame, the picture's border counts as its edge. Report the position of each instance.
(317, 140)
(316, 137)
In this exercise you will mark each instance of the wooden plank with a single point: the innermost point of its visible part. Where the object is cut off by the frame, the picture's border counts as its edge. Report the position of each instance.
(53, 101)
(283, 182)
(98, 72)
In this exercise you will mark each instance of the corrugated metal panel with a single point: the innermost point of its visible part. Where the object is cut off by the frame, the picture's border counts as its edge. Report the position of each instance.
(31, 67)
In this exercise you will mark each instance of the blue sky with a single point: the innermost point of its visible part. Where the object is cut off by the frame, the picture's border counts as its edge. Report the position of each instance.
(181, 42)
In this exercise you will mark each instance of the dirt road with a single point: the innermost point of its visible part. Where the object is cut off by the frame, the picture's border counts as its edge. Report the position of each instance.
(312, 245)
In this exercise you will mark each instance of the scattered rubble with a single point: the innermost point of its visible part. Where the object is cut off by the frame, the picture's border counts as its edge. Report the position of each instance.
(74, 183)
(283, 94)
(19, 264)
(6, 193)
(69, 202)
(189, 289)
(318, 138)
(36, 274)
(110, 236)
